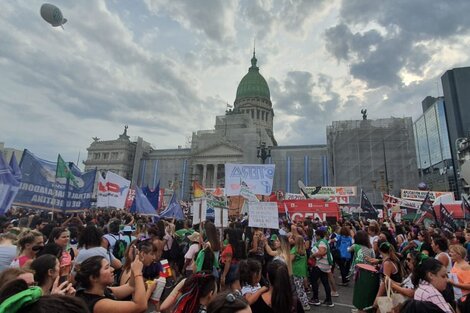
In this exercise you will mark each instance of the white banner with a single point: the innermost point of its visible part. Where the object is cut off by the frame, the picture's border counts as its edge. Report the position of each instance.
(258, 178)
(221, 217)
(419, 195)
(299, 196)
(112, 191)
(199, 210)
(392, 201)
(263, 215)
(349, 191)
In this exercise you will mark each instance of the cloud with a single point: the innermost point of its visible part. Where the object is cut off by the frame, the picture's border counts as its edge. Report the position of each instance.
(381, 41)
(215, 18)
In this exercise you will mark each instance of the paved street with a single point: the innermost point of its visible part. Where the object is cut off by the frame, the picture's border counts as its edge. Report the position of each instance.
(343, 303)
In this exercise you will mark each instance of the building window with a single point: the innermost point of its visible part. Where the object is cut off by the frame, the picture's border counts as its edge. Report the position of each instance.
(252, 113)
(114, 155)
(96, 156)
(105, 155)
(257, 114)
(267, 116)
(262, 115)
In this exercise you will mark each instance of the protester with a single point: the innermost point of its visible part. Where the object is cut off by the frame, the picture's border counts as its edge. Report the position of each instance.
(321, 269)
(343, 243)
(46, 274)
(96, 275)
(61, 237)
(299, 270)
(250, 277)
(191, 254)
(228, 302)
(280, 297)
(196, 293)
(30, 242)
(461, 270)
(229, 259)
(430, 279)
(89, 244)
(7, 250)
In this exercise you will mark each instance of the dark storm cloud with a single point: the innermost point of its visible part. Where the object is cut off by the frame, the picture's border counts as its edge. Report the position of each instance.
(397, 39)
(310, 99)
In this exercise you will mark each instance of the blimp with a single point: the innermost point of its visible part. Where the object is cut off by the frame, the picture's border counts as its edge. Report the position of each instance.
(52, 14)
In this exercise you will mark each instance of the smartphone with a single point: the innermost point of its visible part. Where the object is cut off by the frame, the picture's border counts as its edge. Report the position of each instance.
(62, 279)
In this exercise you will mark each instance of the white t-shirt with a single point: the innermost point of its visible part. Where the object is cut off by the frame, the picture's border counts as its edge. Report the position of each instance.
(191, 254)
(373, 239)
(250, 289)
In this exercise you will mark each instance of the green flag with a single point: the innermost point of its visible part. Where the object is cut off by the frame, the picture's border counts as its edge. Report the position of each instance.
(63, 171)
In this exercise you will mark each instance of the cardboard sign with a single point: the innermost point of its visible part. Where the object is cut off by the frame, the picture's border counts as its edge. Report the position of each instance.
(263, 215)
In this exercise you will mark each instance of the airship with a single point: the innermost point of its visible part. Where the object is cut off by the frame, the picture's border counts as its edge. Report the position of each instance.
(52, 14)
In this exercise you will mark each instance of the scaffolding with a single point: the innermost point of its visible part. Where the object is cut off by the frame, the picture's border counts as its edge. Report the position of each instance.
(378, 156)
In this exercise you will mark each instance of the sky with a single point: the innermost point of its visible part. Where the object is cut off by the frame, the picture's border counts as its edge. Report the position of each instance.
(166, 68)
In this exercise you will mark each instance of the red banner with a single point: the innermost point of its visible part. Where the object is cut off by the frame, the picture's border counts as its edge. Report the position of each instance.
(301, 209)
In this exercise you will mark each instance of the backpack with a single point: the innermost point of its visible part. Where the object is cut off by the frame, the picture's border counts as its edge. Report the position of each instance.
(342, 245)
(119, 249)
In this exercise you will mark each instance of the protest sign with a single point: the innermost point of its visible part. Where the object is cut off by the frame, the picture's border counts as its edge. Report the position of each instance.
(263, 215)
(257, 177)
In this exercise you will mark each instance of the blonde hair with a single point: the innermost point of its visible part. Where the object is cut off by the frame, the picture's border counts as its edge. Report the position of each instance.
(300, 245)
(460, 250)
(26, 237)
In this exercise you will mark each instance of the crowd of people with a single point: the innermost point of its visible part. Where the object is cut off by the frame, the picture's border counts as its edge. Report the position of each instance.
(113, 261)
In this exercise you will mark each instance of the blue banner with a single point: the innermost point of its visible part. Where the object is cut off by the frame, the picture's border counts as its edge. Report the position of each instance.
(40, 189)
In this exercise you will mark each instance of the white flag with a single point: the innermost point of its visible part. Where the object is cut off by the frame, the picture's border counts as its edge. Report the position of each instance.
(112, 191)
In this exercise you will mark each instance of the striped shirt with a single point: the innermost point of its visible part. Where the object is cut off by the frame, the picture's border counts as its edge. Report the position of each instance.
(427, 292)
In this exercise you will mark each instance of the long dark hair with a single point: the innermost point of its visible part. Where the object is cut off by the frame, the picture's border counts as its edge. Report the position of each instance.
(90, 237)
(248, 268)
(425, 265)
(362, 238)
(91, 267)
(41, 267)
(211, 233)
(194, 288)
(235, 240)
(282, 297)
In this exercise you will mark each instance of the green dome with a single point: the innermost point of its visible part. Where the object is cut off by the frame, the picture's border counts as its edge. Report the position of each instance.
(253, 84)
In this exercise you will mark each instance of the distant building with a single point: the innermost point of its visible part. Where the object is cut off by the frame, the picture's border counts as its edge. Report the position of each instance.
(375, 155)
(8, 152)
(433, 152)
(455, 84)
(121, 156)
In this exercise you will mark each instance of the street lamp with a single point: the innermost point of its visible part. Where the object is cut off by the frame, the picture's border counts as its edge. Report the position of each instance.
(263, 152)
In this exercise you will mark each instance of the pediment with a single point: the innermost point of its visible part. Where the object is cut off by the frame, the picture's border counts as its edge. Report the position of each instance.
(220, 149)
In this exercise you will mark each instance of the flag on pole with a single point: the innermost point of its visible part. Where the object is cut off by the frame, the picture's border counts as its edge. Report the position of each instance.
(63, 171)
(15, 169)
(198, 190)
(218, 192)
(286, 212)
(142, 204)
(447, 219)
(426, 207)
(152, 195)
(173, 210)
(366, 205)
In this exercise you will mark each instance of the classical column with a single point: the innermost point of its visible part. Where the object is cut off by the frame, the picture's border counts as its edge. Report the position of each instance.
(215, 175)
(204, 174)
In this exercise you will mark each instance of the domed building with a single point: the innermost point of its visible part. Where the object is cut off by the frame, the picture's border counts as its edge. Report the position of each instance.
(236, 138)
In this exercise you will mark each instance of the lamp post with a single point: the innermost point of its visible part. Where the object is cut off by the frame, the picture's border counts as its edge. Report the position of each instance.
(263, 152)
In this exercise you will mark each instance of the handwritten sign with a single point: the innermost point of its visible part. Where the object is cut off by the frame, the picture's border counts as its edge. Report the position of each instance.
(263, 215)
(257, 177)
